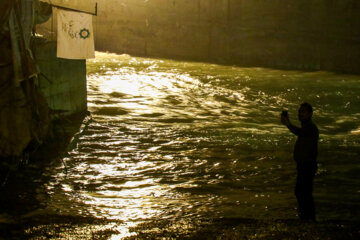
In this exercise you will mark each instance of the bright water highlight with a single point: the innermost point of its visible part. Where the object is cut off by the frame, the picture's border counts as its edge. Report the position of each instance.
(185, 142)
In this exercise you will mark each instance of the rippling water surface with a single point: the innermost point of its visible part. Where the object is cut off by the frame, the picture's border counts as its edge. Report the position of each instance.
(184, 141)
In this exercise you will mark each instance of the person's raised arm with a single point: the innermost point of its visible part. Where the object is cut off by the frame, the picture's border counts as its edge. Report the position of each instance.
(286, 121)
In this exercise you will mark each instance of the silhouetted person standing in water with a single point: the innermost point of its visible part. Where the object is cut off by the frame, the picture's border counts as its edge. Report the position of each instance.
(305, 154)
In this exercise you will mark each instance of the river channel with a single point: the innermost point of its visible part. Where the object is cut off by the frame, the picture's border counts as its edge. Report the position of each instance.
(184, 142)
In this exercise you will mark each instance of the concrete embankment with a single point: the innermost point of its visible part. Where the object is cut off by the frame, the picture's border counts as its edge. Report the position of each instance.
(290, 34)
(36, 86)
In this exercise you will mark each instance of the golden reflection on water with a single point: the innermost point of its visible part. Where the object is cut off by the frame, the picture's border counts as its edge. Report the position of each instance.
(147, 90)
(181, 141)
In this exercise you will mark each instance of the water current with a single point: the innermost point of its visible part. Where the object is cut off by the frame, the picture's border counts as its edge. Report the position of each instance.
(184, 141)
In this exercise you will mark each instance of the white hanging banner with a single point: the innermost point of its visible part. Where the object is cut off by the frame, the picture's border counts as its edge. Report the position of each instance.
(75, 38)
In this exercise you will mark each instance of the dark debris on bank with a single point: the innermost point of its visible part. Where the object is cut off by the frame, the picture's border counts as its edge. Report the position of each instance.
(69, 227)
(225, 229)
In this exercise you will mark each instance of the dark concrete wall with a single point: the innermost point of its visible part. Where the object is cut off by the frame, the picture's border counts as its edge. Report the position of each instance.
(62, 81)
(294, 34)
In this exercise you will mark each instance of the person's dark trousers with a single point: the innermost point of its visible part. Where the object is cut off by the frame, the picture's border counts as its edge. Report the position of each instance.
(303, 190)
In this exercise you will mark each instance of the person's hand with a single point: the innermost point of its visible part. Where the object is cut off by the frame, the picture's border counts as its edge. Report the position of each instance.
(285, 119)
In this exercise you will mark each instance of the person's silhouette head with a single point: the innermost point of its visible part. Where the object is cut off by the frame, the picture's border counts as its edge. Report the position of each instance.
(305, 112)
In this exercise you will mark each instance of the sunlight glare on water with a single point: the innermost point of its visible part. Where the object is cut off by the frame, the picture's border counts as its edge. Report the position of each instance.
(185, 141)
